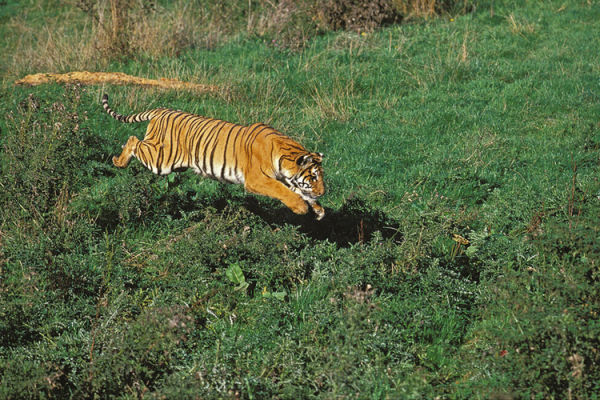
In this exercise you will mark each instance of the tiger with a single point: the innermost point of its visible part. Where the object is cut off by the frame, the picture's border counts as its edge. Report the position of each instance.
(258, 156)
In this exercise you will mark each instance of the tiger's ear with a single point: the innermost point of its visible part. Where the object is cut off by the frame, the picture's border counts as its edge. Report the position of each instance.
(317, 157)
(303, 161)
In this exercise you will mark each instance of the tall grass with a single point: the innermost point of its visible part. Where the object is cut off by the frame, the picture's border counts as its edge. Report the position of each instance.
(89, 35)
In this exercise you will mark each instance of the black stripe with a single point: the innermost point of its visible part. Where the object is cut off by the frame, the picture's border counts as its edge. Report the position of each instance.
(199, 134)
(214, 147)
(142, 153)
(237, 154)
(225, 152)
(180, 155)
(159, 159)
(205, 140)
(264, 173)
(175, 131)
(143, 116)
(166, 129)
(252, 136)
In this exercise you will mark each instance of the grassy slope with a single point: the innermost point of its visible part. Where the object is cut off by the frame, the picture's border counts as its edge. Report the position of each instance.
(114, 282)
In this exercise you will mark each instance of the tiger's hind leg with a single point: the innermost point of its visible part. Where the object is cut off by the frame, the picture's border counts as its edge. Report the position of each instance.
(127, 152)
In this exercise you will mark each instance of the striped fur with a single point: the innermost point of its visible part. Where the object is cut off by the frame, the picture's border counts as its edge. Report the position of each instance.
(264, 160)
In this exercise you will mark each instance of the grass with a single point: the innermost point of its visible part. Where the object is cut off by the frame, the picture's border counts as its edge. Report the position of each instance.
(481, 126)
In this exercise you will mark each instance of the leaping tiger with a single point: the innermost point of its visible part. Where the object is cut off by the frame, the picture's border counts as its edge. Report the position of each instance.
(261, 158)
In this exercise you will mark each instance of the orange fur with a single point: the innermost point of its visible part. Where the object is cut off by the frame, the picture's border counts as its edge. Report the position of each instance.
(264, 160)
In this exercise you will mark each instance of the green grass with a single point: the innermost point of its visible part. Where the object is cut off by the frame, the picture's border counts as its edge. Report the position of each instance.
(114, 283)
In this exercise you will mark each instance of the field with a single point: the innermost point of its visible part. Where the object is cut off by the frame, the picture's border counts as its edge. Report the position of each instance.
(459, 257)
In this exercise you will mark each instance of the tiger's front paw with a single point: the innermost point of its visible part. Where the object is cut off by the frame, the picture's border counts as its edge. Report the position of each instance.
(300, 207)
(318, 210)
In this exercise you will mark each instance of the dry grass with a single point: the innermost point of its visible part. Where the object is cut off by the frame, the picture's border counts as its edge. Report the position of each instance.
(49, 47)
(115, 78)
(126, 28)
(431, 8)
(520, 26)
(96, 33)
(90, 34)
(417, 8)
(336, 101)
(276, 16)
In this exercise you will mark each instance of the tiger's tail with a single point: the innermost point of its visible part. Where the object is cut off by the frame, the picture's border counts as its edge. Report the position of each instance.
(141, 117)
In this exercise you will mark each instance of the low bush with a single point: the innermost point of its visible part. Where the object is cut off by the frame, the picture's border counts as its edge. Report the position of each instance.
(547, 313)
(42, 157)
(356, 15)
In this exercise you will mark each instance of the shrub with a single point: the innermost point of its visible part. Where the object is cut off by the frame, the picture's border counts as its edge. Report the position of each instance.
(549, 314)
(365, 16)
(115, 24)
(139, 355)
(42, 156)
(43, 164)
(356, 15)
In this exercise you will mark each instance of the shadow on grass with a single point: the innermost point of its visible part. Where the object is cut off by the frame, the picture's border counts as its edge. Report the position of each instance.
(353, 223)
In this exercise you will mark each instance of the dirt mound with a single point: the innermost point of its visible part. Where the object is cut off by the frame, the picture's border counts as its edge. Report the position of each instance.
(115, 78)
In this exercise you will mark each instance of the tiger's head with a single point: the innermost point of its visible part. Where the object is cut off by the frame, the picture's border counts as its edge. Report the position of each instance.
(307, 179)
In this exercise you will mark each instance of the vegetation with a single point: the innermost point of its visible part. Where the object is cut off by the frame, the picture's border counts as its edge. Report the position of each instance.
(459, 257)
